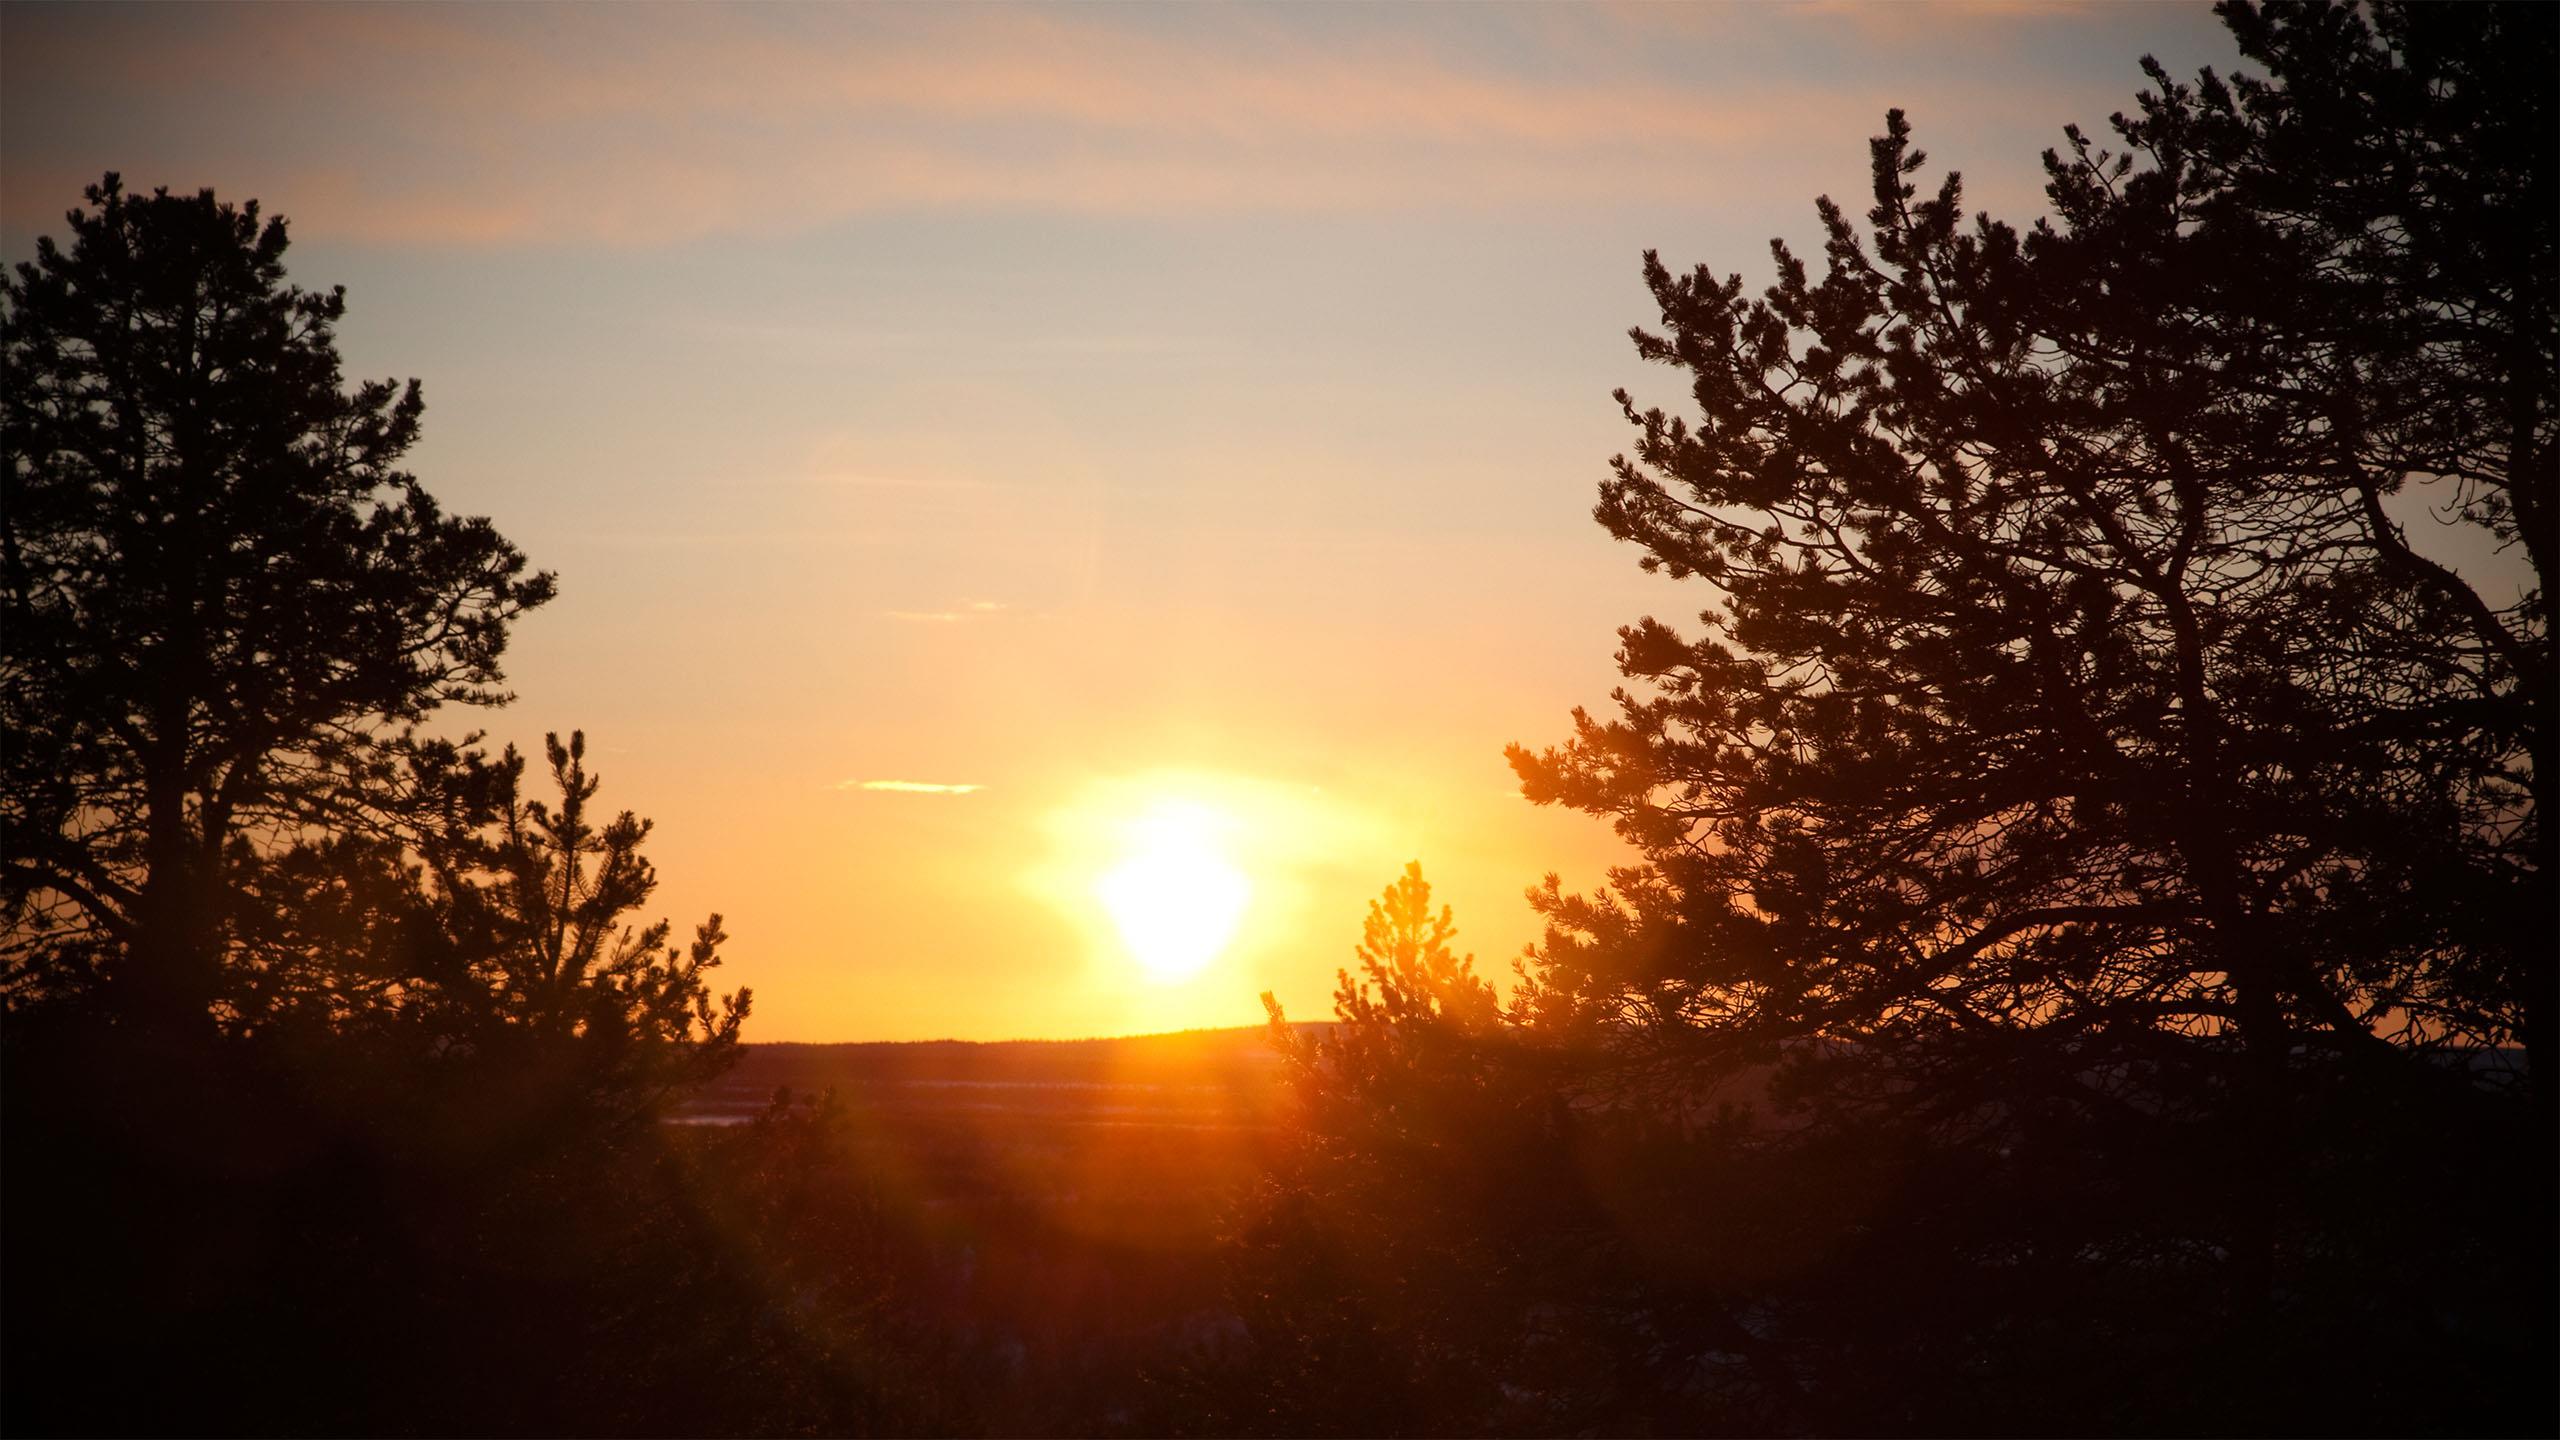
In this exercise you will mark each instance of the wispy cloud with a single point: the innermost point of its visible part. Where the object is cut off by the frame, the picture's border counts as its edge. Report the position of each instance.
(833, 341)
(470, 125)
(857, 480)
(753, 540)
(909, 787)
(974, 610)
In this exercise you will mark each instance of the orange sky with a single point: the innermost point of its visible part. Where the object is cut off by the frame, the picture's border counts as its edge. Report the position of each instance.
(1110, 409)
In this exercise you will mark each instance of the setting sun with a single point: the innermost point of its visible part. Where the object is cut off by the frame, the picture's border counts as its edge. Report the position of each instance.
(1175, 898)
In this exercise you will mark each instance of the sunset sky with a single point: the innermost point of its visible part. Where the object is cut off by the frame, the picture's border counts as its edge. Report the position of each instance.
(1002, 462)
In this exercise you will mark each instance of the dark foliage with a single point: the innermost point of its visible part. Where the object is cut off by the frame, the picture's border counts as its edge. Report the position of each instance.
(2073, 692)
(222, 598)
(333, 1066)
(2091, 965)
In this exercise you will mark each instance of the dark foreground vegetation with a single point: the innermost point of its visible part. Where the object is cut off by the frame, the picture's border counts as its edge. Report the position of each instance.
(2090, 965)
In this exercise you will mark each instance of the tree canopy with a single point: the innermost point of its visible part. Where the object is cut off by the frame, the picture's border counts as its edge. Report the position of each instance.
(335, 1055)
(529, 955)
(221, 601)
(2076, 688)
(2089, 960)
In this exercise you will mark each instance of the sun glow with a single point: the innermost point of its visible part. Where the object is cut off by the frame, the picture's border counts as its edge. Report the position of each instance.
(1181, 893)
(1174, 896)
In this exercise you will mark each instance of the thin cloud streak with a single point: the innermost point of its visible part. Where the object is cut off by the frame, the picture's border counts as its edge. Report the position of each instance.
(873, 480)
(974, 610)
(759, 540)
(909, 787)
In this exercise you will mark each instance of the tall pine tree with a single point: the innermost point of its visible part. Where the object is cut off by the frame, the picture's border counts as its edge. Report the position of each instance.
(220, 598)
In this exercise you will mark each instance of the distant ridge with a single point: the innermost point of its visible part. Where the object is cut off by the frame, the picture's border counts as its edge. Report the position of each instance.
(1232, 1074)
(1245, 1035)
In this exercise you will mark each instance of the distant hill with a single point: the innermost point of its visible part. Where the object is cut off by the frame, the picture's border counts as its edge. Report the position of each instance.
(1222, 1077)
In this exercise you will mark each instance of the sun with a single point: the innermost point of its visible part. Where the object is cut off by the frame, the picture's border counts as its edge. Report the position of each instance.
(1174, 896)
